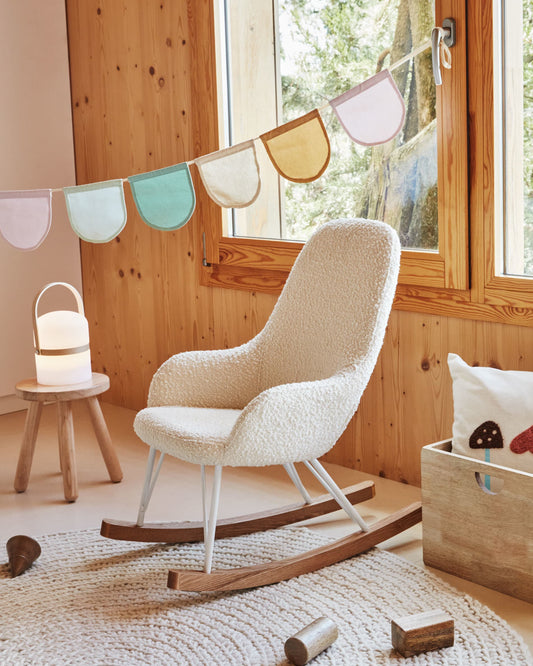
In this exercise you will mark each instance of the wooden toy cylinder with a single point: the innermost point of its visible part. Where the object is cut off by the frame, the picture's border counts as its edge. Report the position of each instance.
(311, 641)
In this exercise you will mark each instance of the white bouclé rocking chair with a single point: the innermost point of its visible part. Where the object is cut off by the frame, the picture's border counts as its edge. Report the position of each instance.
(284, 397)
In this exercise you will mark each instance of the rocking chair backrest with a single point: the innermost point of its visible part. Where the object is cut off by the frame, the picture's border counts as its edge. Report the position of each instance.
(333, 311)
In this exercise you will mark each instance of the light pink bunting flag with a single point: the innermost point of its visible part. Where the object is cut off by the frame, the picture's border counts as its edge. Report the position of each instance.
(373, 112)
(25, 217)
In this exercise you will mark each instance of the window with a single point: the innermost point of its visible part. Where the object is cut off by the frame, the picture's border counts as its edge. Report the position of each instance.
(314, 51)
(480, 264)
(501, 157)
(238, 257)
(513, 80)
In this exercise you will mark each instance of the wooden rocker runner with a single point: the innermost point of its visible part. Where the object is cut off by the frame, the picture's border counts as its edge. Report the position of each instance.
(284, 397)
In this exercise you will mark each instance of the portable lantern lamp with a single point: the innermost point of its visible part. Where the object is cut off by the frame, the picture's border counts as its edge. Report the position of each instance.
(61, 340)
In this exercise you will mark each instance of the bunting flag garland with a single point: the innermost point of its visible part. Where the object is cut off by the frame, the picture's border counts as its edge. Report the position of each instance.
(97, 211)
(164, 198)
(299, 150)
(231, 176)
(373, 112)
(25, 217)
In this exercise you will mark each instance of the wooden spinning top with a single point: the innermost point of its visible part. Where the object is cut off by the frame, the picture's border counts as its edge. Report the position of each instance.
(22, 552)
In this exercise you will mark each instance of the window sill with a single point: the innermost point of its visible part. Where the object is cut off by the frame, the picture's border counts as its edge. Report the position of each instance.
(255, 265)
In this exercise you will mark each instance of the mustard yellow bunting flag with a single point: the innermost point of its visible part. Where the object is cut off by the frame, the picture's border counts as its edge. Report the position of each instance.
(300, 149)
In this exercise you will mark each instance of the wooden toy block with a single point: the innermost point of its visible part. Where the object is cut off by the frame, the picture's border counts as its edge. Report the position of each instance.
(422, 632)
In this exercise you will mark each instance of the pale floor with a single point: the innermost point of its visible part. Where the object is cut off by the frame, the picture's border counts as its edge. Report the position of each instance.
(42, 509)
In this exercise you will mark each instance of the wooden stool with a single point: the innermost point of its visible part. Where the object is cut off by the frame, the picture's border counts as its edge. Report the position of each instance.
(37, 394)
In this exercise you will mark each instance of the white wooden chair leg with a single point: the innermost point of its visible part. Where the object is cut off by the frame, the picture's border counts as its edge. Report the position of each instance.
(293, 474)
(149, 483)
(210, 528)
(204, 502)
(329, 484)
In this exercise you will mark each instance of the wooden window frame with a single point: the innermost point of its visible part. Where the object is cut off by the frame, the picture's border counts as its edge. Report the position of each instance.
(460, 280)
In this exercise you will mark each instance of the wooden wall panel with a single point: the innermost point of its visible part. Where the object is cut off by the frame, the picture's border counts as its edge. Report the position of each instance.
(143, 91)
(408, 402)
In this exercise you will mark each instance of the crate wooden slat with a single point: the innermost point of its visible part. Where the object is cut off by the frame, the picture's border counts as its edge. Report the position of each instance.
(474, 534)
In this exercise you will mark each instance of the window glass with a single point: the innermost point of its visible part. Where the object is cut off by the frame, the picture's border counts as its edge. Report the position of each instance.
(311, 51)
(513, 30)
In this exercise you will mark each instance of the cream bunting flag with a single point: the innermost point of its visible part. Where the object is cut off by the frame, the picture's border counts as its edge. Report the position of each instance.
(25, 217)
(97, 211)
(231, 176)
(164, 198)
(373, 112)
(299, 150)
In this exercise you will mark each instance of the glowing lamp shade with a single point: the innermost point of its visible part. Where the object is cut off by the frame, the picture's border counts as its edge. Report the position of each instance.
(61, 338)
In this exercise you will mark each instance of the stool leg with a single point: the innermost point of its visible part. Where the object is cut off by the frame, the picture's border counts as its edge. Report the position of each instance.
(31, 427)
(67, 457)
(104, 439)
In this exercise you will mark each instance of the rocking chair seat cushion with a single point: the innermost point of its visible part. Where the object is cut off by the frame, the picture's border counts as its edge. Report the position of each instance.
(194, 434)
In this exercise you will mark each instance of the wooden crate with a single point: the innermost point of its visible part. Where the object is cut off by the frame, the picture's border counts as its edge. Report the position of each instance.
(472, 533)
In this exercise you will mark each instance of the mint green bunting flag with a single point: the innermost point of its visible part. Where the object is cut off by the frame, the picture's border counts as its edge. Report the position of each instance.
(164, 198)
(97, 211)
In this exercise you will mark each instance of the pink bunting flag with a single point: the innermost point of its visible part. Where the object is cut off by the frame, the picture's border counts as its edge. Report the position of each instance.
(25, 217)
(373, 112)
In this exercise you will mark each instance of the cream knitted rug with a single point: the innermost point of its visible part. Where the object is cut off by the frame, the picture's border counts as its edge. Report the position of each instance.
(88, 600)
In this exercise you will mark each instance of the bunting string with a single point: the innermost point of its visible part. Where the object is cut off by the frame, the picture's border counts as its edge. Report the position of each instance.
(371, 113)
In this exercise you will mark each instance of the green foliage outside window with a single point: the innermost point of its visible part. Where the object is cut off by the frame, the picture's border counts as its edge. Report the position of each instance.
(329, 46)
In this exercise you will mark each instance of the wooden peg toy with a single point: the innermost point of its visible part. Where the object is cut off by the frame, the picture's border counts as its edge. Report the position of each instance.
(311, 641)
(22, 552)
(422, 632)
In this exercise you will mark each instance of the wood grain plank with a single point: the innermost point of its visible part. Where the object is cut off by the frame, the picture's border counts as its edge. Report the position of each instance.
(318, 558)
(236, 526)
(480, 536)
(452, 160)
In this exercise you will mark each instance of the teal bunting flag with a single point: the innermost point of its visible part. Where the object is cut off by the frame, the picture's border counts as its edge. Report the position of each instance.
(97, 211)
(164, 198)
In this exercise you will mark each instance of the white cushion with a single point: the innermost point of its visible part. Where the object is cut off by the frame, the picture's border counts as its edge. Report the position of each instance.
(195, 434)
(495, 408)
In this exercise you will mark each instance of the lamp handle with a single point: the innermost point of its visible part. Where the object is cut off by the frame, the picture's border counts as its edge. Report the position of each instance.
(36, 300)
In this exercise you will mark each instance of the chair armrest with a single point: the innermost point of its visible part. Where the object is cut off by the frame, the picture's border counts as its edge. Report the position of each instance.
(294, 422)
(221, 378)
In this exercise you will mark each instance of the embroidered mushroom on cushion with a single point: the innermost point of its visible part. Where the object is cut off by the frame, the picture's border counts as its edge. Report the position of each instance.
(487, 436)
(523, 442)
